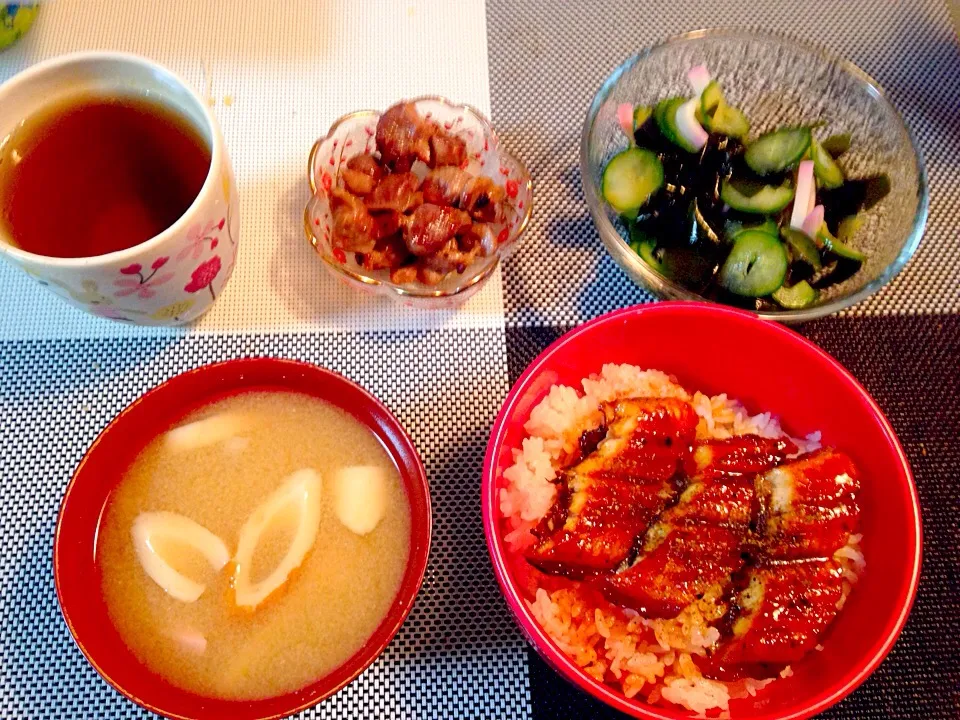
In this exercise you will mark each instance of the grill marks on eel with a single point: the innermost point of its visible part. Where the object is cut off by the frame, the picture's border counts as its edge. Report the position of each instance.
(785, 601)
(697, 544)
(657, 521)
(613, 494)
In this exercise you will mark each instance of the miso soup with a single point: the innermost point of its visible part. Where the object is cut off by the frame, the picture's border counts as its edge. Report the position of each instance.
(231, 494)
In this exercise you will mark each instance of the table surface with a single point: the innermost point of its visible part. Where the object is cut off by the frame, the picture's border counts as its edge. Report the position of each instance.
(288, 70)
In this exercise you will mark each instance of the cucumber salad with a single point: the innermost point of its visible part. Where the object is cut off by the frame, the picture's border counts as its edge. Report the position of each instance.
(765, 223)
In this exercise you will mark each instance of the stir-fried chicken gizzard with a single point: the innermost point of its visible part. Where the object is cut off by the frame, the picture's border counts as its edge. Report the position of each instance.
(419, 227)
(657, 520)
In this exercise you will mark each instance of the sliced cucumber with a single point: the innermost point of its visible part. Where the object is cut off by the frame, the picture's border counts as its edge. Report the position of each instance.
(660, 116)
(796, 296)
(641, 113)
(731, 228)
(756, 265)
(828, 173)
(848, 227)
(671, 119)
(803, 246)
(717, 116)
(647, 249)
(711, 98)
(686, 264)
(837, 247)
(755, 198)
(666, 116)
(778, 150)
(630, 178)
(836, 145)
(727, 120)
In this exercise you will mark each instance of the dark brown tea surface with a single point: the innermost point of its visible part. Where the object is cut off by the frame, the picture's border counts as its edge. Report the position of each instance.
(93, 174)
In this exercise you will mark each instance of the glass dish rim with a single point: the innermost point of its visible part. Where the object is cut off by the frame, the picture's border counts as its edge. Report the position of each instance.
(391, 288)
(665, 288)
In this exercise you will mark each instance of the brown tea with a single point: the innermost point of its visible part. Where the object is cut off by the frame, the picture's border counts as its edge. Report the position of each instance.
(93, 174)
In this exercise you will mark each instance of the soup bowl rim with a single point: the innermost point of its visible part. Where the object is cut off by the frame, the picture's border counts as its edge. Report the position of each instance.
(404, 599)
(179, 226)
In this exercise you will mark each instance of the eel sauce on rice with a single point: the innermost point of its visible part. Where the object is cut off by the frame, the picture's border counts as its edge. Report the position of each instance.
(607, 581)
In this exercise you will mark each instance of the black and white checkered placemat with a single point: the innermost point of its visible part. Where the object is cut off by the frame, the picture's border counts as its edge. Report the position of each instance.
(911, 366)
(459, 654)
(546, 63)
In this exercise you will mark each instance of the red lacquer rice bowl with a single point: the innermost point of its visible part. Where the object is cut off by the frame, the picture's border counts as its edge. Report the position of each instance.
(769, 369)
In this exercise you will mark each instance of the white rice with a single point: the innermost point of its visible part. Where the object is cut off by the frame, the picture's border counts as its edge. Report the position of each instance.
(615, 643)
(852, 562)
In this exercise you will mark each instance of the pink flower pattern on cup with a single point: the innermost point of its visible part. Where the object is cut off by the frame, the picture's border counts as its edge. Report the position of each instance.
(204, 276)
(144, 283)
(139, 283)
(197, 238)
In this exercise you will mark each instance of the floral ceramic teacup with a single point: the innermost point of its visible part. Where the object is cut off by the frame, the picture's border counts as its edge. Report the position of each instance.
(173, 277)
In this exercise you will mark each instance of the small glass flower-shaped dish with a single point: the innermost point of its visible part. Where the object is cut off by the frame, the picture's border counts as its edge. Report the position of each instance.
(354, 134)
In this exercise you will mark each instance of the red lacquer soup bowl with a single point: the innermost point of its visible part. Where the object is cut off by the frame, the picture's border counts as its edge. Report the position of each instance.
(77, 575)
(769, 368)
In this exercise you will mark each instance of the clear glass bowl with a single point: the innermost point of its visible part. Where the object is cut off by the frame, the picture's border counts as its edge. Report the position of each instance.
(352, 135)
(776, 82)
